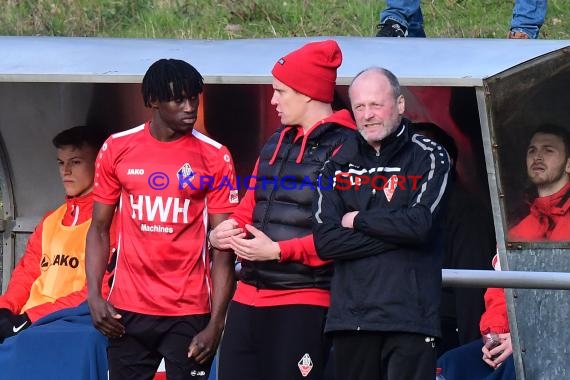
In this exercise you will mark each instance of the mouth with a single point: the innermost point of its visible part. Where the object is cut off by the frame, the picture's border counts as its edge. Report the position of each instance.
(372, 125)
(189, 119)
(537, 168)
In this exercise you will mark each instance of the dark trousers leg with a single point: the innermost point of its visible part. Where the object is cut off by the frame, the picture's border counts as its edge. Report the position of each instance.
(274, 343)
(362, 355)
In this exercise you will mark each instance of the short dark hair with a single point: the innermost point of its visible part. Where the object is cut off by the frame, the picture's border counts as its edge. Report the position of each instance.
(169, 79)
(80, 136)
(556, 130)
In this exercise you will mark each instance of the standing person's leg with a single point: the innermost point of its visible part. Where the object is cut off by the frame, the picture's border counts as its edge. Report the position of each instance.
(357, 355)
(291, 342)
(398, 17)
(177, 336)
(528, 17)
(238, 356)
(134, 355)
(401, 350)
(416, 24)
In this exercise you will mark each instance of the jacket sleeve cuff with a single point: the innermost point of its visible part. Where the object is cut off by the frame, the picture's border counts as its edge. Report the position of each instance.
(285, 254)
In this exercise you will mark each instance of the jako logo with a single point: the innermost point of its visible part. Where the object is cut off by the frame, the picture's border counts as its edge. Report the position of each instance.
(135, 172)
(60, 260)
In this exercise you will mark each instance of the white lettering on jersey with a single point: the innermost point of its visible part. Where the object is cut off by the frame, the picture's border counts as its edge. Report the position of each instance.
(146, 208)
(135, 172)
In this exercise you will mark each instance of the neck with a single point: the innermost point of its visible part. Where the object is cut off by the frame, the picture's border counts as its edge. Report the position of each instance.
(162, 132)
(316, 112)
(552, 188)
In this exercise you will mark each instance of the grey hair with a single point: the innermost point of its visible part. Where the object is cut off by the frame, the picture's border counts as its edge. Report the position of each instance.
(392, 79)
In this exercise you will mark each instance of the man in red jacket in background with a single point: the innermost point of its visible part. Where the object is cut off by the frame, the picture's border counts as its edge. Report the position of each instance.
(50, 276)
(548, 169)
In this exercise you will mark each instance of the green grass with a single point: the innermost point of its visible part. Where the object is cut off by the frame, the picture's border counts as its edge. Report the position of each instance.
(227, 19)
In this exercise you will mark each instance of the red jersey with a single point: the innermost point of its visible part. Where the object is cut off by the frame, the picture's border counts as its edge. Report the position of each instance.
(165, 192)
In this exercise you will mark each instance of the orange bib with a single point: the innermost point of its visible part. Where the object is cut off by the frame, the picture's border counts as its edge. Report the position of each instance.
(63, 260)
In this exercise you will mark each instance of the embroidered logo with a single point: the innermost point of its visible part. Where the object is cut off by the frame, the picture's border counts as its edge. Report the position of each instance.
(390, 187)
(234, 197)
(16, 329)
(305, 365)
(185, 175)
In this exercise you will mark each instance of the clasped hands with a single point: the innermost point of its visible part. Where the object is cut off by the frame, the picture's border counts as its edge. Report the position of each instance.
(495, 356)
(229, 236)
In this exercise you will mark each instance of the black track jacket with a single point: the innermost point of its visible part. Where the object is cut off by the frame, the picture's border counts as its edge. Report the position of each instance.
(388, 267)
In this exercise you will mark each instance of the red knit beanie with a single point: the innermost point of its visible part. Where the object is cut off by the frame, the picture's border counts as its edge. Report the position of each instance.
(311, 70)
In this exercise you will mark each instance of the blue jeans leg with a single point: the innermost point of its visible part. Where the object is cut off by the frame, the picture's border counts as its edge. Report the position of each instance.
(528, 16)
(407, 13)
(464, 362)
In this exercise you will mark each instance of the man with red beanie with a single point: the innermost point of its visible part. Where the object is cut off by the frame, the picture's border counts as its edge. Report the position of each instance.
(548, 169)
(275, 321)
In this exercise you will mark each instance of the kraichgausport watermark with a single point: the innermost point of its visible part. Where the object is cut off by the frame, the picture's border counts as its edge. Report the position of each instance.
(340, 181)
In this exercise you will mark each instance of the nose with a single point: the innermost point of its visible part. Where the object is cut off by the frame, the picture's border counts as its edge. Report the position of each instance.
(187, 106)
(65, 168)
(274, 99)
(368, 114)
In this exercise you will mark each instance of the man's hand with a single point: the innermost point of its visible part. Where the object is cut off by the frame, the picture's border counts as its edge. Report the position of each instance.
(220, 236)
(260, 248)
(105, 317)
(205, 343)
(348, 219)
(12, 324)
(497, 355)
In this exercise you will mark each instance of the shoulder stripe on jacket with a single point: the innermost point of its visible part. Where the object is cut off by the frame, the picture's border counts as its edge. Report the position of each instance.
(421, 142)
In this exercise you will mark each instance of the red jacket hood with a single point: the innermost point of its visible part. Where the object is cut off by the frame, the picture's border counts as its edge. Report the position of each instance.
(342, 118)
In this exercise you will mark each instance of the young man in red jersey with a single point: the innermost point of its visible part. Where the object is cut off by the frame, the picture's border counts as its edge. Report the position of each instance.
(276, 319)
(50, 276)
(164, 303)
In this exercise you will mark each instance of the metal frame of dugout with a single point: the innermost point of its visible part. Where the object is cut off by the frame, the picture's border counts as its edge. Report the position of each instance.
(502, 88)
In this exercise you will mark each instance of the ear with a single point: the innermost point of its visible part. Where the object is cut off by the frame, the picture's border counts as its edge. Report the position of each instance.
(401, 104)
(567, 168)
(154, 103)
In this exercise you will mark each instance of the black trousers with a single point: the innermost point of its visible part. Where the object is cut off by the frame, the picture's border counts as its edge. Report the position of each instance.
(368, 355)
(148, 339)
(274, 343)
